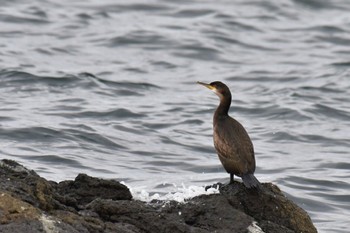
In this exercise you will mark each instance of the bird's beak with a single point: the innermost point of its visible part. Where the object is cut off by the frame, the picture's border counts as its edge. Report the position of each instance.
(207, 86)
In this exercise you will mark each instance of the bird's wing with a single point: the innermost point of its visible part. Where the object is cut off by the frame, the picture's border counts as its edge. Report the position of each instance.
(233, 143)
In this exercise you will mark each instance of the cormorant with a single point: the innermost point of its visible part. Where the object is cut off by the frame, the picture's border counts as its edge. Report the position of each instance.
(231, 140)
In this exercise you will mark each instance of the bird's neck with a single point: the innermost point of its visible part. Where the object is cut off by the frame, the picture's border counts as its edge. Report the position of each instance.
(224, 106)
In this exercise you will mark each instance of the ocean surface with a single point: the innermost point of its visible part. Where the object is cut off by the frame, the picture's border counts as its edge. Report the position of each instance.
(108, 88)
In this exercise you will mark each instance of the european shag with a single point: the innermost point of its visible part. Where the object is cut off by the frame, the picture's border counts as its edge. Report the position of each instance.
(231, 140)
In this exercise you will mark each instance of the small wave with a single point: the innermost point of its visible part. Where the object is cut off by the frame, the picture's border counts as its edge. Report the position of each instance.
(164, 64)
(326, 29)
(112, 114)
(331, 112)
(23, 20)
(339, 165)
(120, 84)
(336, 40)
(167, 125)
(323, 4)
(197, 51)
(284, 137)
(3, 118)
(274, 112)
(255, 46)
(41, 134)
(95, 138)
(193, 13)
(131, 7)
(237, 25)
(345, 64)
(54, 160)
(315, 184)
(145, 39)
(324, 140)
(181, 195)
(24, 78)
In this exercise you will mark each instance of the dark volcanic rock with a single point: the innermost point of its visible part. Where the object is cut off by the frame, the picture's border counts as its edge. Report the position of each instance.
(85, 189)
(29, 203)
(268, 206)
(26, 185)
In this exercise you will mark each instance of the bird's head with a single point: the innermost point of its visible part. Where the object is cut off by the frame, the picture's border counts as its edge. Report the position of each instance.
(219, 88)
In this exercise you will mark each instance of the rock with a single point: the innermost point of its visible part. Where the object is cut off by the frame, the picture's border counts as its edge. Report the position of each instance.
(85, 189)
(29, 203)
(26, 185)
(269, 207)
(14, 209)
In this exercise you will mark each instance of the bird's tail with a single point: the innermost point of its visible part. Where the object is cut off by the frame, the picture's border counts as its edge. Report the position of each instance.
(250, 181)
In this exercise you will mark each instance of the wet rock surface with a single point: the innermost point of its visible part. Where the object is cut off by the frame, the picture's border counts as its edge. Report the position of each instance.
(29, 203)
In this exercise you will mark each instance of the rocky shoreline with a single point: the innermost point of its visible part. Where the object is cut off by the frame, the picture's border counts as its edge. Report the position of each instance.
(29, 203)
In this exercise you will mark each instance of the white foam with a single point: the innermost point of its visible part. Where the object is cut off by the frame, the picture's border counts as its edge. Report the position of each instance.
(181, 194)
(254, 228)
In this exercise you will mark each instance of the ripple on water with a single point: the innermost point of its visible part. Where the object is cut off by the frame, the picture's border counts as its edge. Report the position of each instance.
(112, 114)
(55, 159)
(24, 20)
(339, 165)
(41, 134)
(143, 39)
(96, 138)
(193, 13)
(330, 112)
(11, 78)
(320, 190)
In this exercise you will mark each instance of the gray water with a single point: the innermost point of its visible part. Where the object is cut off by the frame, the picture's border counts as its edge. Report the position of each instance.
(108, 88)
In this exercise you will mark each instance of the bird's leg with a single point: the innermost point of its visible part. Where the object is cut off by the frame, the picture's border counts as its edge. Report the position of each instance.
(231, 178)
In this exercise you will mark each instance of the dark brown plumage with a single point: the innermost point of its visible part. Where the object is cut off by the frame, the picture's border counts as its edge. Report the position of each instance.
(231, 140)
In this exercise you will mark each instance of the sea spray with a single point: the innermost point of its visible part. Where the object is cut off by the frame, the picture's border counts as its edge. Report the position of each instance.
(181, 194)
